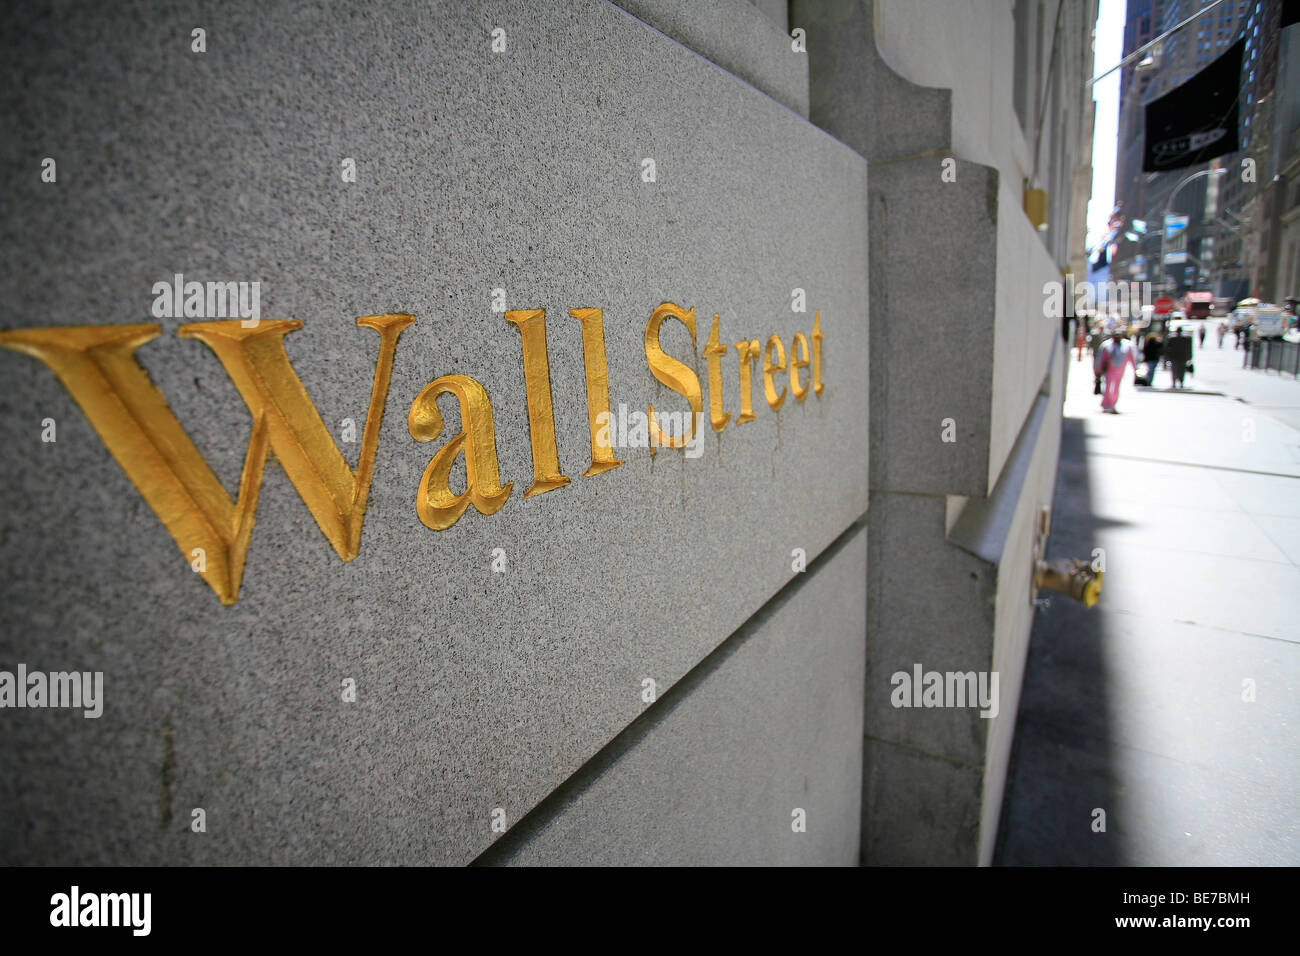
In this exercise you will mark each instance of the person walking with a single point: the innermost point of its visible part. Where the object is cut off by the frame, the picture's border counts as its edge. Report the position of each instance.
(1152, 349)
(1179, 352)
(1200, 335)
(1223, 330)
(1095, 338)
(1113, 358)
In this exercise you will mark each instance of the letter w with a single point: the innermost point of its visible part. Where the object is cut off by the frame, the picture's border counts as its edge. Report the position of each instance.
(98, 367)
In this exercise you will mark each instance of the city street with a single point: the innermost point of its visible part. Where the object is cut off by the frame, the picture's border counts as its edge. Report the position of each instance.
(1171, 706)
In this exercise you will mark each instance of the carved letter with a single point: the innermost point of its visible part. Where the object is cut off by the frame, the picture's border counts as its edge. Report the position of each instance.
(672, 373)
(713, 352)
(748, 353)
(97, 365)
(437, 507)
(541, 414)
(769, 389)
(817, 337)
(597, 371)
(798, 360)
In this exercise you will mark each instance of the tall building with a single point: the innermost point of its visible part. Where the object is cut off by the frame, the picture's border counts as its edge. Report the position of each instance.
(1246, 185)
(1216, 241)
(1143, 23)
(1275, 210)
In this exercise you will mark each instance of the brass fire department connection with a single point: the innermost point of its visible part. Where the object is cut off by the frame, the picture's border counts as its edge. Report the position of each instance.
(1069, 576)
(1078, 579)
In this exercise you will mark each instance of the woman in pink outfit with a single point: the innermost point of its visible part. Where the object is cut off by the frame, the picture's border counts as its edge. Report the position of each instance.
(1112, 360)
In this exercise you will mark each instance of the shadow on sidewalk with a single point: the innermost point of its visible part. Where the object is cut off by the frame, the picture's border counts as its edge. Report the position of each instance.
(1062, 765)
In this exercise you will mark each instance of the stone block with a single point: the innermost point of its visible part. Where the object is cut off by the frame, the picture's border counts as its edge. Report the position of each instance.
(917, 809)
(957, 271)
(743, 37)
(958, 603)
(713, 773)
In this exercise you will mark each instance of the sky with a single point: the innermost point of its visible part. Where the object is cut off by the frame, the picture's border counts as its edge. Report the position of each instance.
(1108, 50)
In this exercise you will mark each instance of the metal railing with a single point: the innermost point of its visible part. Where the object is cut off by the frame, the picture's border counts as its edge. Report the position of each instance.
(1276, 354)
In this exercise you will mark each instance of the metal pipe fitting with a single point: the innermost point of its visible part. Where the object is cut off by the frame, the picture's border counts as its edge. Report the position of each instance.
(1069, 576)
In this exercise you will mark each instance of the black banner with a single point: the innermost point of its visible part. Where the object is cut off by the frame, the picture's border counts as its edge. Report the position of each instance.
(1198, 120)
(337, 910)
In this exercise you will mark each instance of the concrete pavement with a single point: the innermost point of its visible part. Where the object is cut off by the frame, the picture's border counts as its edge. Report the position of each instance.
(1270, 393)
(1172, 706)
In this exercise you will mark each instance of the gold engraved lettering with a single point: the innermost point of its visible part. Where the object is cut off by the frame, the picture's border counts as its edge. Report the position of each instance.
(798, 348)
(597, 371)
(769, 367)
(541, 414)
(817, 337)
(713, 352)
(435, 503)
(668, 370)
(748, 353)
(98, 367)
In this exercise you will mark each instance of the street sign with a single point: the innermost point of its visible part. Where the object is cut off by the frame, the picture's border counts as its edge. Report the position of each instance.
(1163, 305)
(1174, 245)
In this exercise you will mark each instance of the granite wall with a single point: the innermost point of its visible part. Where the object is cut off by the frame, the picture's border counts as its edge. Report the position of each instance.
(965, 390)
(463, 633)
(409, 705)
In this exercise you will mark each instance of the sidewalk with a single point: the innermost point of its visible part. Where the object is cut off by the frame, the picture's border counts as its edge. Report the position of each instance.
(1136, 707)
(1273, 394)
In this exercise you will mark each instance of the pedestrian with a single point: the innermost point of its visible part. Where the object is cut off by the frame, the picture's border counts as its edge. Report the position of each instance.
(1179, 352)
(1152, 349)
(1223, 330)
(1113, 359)
(1200, 336)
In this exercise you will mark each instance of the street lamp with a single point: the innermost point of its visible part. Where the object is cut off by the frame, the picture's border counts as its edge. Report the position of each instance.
(1169, 207)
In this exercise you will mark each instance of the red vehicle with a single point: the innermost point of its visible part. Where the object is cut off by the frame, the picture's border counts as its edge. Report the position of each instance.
(1197, 305)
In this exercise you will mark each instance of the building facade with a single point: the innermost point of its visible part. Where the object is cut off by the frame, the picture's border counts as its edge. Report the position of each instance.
(503, 433)
(1221, 239)
(1275, 240)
